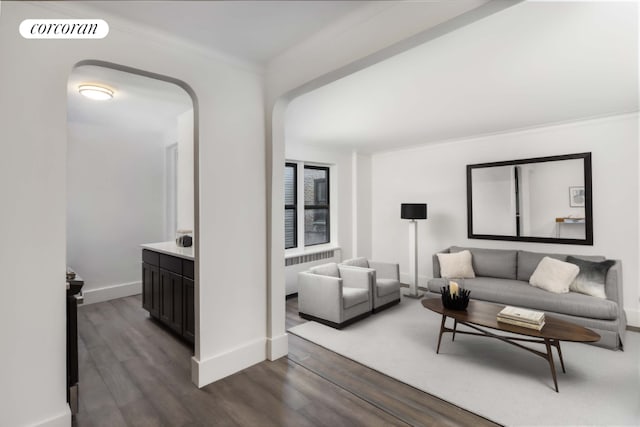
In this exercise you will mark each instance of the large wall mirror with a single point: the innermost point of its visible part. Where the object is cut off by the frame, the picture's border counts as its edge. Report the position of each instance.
(544, 199)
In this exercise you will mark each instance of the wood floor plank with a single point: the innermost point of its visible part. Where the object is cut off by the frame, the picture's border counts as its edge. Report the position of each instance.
(95, 396)
(141, 413)
(135, 372)
(119, 383)
(162, 398)
(253, 395)
(345, 407)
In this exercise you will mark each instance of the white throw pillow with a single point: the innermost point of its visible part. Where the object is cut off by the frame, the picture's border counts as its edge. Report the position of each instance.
(456, 265)
(554, 275)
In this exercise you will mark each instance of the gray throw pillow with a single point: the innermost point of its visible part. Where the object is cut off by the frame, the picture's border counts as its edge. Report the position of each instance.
(592, 276)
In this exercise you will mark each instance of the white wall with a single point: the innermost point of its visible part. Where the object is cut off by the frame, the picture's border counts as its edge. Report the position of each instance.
(436, 175)
(115, 202)
(362, 189)
(230, 325)
(185, 171)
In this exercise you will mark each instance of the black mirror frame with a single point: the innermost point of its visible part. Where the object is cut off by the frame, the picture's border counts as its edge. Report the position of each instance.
(588, 206)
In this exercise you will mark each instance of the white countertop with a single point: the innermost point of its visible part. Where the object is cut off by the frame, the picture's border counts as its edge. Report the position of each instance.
(170, 248)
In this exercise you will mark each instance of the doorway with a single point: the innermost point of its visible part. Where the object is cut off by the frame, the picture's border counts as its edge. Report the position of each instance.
(131, 180)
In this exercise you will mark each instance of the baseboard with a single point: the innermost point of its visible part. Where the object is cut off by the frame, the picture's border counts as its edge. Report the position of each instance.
(293, 295)
(633, 317)
(277, 347)
(204, 372)
(60, 420)
(107, 293)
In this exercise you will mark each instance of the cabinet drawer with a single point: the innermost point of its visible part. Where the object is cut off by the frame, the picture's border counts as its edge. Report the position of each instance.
(150, 257)
(187, 268)
(171, 263)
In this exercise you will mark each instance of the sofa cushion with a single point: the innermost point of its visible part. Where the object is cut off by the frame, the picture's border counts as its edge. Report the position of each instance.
(554, 275)
(387, 286)
(519, 293)
(330, 269)
(456, 264)
(492, 262)
(528, 262)
(357, 262)
(591, 279)
(354, 296)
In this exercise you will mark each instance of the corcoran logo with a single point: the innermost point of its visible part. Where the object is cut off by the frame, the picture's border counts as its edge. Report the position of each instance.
(64, 29)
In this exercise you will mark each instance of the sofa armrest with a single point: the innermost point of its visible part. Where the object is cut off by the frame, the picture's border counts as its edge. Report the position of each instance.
(436, 262)
(357, 277)
(320, 296)
(386, 270)
(613, 284)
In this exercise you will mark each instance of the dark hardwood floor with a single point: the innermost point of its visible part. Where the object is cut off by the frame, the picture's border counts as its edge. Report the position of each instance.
(134, 372)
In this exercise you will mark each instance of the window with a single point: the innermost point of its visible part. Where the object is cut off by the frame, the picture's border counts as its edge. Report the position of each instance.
(316, 205)
(312, 188)
(290, 208)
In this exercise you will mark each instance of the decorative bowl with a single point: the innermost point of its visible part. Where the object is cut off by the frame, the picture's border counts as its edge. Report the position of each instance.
(458, 301)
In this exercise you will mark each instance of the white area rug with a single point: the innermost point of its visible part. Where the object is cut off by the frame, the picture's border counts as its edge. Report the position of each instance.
(488, 377)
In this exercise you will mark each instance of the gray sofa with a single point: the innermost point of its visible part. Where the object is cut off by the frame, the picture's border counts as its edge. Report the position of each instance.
(502, 276)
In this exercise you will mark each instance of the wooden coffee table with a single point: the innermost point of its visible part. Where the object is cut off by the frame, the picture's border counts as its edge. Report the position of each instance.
(480, 313)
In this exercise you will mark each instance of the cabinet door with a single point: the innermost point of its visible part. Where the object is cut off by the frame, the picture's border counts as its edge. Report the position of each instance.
(151, 289)
(188, 320)
(171, 299)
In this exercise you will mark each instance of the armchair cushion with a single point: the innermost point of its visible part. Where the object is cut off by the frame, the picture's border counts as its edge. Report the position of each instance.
(357, 262)
(356, 277)
(386, 270)
(386, 286)
(354, 296)
(330, 269)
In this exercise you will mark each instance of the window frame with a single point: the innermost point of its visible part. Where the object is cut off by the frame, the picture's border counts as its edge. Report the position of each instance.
(326, 206)
(293, 206)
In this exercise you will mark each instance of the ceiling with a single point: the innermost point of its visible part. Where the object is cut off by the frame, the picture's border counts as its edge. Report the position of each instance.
(139, 103)
(529, 65)
(255, 31)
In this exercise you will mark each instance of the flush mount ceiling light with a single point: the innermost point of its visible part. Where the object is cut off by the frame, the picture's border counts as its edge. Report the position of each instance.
(96, 92)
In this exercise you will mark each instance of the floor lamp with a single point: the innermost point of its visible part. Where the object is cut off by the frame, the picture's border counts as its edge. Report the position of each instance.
(413, 212)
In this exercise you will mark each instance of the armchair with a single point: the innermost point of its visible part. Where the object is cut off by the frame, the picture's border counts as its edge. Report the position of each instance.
(334, 295)
(385, 284)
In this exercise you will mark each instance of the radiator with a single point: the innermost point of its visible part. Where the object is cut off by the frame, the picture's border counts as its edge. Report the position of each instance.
(297, 263)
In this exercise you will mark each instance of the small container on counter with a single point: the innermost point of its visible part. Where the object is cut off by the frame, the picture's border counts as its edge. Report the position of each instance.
(184, 238)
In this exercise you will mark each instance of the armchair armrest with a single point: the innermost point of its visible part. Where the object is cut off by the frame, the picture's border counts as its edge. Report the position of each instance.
(320, 296)
(357, 277)
(386, 270)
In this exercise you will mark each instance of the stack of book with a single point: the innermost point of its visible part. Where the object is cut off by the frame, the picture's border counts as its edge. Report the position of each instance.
(522, 317)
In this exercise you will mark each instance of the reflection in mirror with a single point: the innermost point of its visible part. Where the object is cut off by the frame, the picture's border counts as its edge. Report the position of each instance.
(543, 199)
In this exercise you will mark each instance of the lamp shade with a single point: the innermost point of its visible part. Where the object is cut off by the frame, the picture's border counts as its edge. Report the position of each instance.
(413, 211)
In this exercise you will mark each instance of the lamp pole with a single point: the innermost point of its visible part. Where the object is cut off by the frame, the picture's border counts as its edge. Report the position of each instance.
(413, 261)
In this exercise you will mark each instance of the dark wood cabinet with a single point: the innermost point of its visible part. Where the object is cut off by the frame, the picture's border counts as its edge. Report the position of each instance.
(151, 288)
(168, 291)
(172, 300)
(188, 320)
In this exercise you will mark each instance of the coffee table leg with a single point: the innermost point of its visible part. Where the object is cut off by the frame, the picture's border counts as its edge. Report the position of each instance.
(551, 364)
(455, 326)
(441, 331)
(557, 344)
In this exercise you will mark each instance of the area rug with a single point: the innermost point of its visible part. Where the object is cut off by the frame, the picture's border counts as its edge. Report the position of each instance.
(488, 377)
